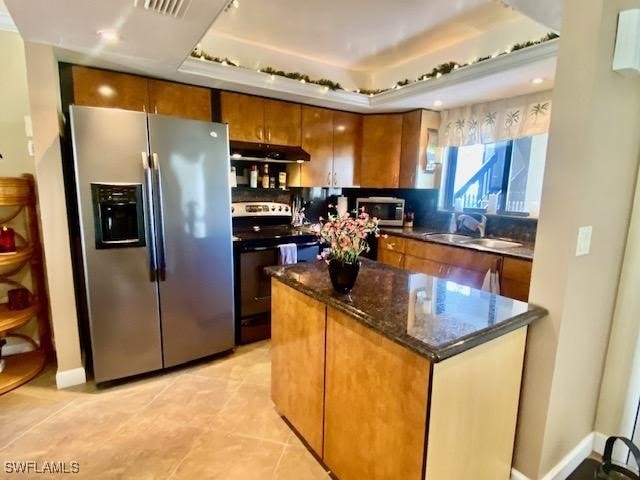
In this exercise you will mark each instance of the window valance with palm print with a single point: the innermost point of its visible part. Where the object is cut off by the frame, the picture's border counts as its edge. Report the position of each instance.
(495, 121)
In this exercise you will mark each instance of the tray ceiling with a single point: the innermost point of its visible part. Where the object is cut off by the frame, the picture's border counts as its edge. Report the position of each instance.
(360, 35)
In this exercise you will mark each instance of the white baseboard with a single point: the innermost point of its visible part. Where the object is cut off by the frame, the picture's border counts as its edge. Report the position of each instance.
(69, 378)
(571, 461)
(516, 475)
(599, 439)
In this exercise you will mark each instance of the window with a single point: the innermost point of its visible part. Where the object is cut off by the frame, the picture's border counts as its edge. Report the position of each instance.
(512, 169)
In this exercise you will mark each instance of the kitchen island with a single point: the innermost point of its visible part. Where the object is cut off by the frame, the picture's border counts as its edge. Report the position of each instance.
(406, 377)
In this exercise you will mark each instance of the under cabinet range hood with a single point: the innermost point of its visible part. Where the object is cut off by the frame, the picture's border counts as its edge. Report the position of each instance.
(262, 152)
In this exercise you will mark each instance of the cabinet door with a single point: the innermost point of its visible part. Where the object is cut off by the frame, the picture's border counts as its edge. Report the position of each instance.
(245, 116)
(420, 265)
(411, 148)
(392, 243)
(282, 122)
(388, 257)
(381, 140)
(102, 88)
(376, 403)
(178, 100)
(347, 148)
(516, 278)
(455, 256)
(298, 361)
(317, 139)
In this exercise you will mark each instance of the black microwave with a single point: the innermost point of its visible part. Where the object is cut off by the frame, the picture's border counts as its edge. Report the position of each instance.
(389, 211)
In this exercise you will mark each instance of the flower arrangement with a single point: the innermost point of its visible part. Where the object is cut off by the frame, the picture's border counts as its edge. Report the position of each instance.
(346, 235)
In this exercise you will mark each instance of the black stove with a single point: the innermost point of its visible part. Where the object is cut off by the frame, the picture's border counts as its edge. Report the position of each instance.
(259, 229)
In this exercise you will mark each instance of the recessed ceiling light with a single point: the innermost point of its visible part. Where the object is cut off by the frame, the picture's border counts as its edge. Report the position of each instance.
(109, 36)
(437, 103)
(537, 81)
(232, 3)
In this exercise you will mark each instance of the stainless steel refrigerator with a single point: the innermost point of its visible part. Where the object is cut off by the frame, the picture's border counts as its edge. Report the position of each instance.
(155, 219)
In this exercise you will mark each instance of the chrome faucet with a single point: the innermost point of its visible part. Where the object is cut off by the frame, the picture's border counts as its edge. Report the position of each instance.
(468, 223)
(482, 225)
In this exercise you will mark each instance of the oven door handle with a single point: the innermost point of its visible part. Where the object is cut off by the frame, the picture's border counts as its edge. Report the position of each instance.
(262, 298)
(262, 249)
(258, 249)
(309, 244)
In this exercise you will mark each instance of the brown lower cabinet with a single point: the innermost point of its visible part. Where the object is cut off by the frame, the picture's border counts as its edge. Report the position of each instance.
(300, 355)
(376, 396)
(464, 266)
(372, 409)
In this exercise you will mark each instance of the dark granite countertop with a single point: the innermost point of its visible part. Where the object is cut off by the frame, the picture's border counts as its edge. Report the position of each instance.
(524, 252)
(433, 317)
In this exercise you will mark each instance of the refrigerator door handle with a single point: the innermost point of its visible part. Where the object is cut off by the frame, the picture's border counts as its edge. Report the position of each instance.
(153, 261)
(162, 252)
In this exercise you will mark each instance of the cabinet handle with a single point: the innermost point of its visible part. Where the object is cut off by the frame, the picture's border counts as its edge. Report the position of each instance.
(155, 109)
(268, 134)
(335, 179)
(259, 133)
(391, 246)
(329, 179)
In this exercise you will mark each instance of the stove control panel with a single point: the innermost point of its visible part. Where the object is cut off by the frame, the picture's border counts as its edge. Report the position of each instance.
(260, 209)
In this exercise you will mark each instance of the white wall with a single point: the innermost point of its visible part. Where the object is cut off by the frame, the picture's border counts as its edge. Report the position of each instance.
(44, 86)
(14, 106)
(589, 180)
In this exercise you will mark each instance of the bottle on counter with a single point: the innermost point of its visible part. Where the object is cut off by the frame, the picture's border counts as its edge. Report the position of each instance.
(272, 182)
(232, 177)
(282, 180)
(265, 176)
(253, 177)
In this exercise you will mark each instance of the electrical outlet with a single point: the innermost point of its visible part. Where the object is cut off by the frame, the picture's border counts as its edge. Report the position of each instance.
(584, 240)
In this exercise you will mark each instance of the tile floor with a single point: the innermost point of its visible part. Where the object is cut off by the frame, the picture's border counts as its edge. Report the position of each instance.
(213, 420)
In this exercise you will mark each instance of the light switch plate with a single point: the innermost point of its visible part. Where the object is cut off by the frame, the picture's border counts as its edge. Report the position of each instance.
(584, 240)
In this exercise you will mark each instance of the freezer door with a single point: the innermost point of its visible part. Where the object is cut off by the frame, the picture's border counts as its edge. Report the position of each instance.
(193, 208)
(109, 147)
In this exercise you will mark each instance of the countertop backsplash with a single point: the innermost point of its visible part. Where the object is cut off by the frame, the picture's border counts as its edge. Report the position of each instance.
(422, 202)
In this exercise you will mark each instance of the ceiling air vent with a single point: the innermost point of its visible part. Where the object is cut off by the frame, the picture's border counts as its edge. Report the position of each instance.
(172, 8)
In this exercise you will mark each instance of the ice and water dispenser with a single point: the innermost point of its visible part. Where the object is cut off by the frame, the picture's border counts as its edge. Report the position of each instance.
(118, 215)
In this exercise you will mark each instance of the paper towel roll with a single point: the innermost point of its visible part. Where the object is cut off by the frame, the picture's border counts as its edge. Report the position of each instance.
(342, 206)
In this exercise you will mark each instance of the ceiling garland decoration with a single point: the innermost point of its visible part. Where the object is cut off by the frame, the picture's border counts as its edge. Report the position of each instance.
(436, 72)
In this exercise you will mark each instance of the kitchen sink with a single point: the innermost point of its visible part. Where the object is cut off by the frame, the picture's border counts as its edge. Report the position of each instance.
(447, 237)
(492, 243)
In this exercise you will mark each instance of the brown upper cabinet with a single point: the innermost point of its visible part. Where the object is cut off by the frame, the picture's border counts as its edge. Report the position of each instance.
(245, 116)
(256, 119)
(381, 149)
(333, 140)
(317, 140)
(186, 101)
(416, 126)
(103, 88)
(282, 122)
(347, 148)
